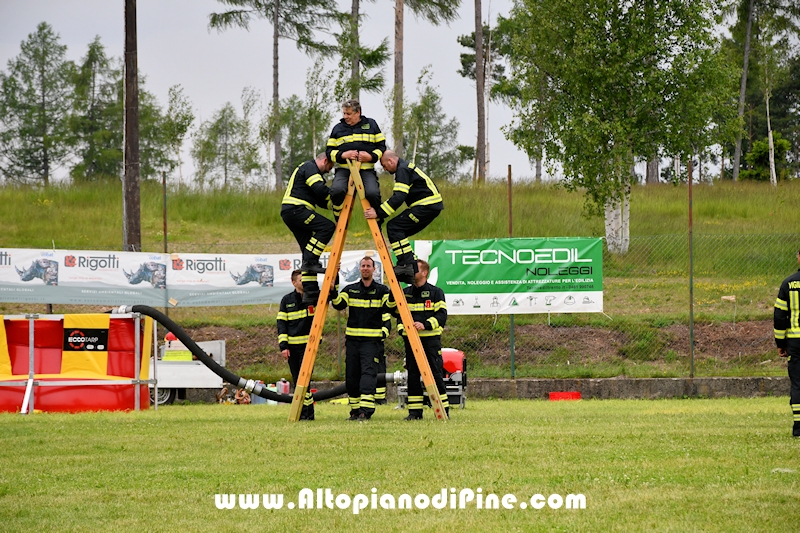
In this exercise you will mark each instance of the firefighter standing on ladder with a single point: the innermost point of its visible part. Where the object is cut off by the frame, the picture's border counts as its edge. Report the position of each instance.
(787, 338)
(306, 191)
(414, 188)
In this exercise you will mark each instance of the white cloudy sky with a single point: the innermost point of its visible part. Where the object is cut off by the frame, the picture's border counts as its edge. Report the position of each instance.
(176, 47)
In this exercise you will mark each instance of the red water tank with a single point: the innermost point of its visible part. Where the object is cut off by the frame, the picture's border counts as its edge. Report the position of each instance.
(452, 360)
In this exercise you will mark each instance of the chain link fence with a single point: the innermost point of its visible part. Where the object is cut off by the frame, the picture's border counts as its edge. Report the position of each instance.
(653, 309)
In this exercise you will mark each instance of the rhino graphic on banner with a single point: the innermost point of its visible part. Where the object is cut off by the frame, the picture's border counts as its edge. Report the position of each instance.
(43, 269)
(258, 272)
(152, 272)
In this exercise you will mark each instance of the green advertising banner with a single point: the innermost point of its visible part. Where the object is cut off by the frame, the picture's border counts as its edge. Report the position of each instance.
(517, 276)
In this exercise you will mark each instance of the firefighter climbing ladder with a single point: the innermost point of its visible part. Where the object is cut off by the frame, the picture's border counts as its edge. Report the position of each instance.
(331, 272)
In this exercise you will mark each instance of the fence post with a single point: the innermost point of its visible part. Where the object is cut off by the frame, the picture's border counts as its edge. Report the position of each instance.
(691, 276)
(510, 234)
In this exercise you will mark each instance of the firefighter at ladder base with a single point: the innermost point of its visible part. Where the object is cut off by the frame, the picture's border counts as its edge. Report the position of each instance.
(787, 337)
(355, 138)
(369, 302)
(305, 192)
(429, 313)
(414, 188)
(294, 324)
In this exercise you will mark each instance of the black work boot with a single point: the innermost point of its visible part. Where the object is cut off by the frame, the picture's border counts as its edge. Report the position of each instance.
(404, 273)
(796, 429)
(312, 267)
(414, 414)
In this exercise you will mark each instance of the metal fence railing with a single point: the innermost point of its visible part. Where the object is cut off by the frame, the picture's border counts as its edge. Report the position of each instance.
(646, 319)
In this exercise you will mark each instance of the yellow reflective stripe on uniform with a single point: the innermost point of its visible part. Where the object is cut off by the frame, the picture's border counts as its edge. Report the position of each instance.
(781, 304)
(357, 137)
(780, 333)
(291, 200)
(401, 187)
(429, 200)
(363, 332)
(433, 322)
(296, 315)
(378, 153)
(358, 302)
(387, 208)
(302, 339)
(313, 179)
(282, 315)
(283, 337)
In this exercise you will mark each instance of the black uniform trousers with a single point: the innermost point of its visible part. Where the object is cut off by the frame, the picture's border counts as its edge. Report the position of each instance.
(296, 352)
(341, 178)
(433, 352)
(380, 392)
(361, 372)
(408, 223)
(793, 365)
(312, 232)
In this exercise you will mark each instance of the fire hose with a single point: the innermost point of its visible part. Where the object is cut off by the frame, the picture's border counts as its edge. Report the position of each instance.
(249, 385)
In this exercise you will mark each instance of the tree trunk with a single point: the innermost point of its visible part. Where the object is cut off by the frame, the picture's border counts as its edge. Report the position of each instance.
(276, 99)
(617, 221)
(773, 178)
(737, 154)
(397, 126)
(651, 175)
(355, 75)
(132, 233)
(480, 85)
(538, 170)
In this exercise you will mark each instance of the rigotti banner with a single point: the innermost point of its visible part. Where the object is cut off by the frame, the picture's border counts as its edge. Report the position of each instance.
(517, 276)
(161, 280)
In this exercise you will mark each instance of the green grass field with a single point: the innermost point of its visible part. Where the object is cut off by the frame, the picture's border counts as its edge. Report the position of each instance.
(725, 465)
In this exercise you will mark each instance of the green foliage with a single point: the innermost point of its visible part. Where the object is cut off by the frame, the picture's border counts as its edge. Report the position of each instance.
(34, 104)
(94, 123)
(360, 66)
(431, 136)
(599, 85)
(224, 149)
(304, 123)
(775, 27)
(758, 159)
(177, 121)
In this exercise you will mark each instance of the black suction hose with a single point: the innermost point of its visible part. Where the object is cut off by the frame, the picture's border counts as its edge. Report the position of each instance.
(249, 385)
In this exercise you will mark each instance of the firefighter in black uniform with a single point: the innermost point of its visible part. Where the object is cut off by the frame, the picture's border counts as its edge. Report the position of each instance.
(368, 301)
(355, 138)
(414, 188)
(305, 192)
(787, 337)
(294, 325)
(429, 312)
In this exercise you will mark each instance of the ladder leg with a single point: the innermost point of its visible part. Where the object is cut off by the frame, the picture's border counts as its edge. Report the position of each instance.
(314, 337)
(400, 299)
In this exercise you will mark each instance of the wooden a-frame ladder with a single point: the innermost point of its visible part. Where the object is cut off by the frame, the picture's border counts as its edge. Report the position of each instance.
(331, 273)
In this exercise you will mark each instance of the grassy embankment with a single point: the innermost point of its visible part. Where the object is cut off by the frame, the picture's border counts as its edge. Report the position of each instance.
(645, 291)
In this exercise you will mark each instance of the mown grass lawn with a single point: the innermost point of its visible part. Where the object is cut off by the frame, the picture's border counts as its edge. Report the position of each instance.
(667, 465)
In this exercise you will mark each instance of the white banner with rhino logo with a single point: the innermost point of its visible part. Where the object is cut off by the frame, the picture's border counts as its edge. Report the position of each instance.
(160, 280)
